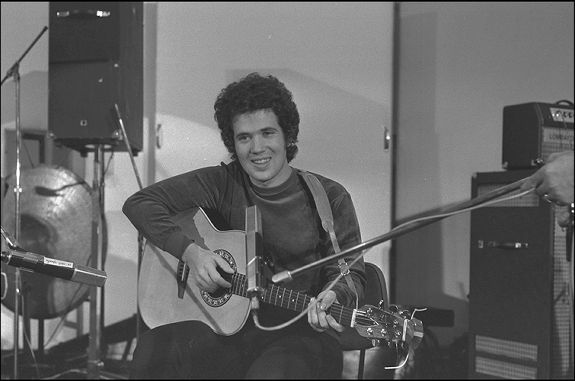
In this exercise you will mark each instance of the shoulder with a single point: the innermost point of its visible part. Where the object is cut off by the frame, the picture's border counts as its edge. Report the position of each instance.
(336, 191)
(331, 184)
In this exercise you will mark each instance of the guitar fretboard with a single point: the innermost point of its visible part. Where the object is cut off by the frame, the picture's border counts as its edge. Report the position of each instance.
(289, 299)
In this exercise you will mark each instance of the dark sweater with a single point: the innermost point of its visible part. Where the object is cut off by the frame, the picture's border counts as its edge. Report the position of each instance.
(292, 232)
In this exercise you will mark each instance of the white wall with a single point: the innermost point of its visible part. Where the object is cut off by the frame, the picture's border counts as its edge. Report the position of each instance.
(335, 57)
(339, 51)
(459, 65)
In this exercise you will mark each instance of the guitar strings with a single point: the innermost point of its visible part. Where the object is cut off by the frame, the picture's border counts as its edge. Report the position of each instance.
(275, 293)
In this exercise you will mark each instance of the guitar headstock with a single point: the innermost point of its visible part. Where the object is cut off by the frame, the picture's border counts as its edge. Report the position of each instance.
(392, 325)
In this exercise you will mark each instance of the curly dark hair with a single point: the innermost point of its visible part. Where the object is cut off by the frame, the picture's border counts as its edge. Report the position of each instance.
(252, 93)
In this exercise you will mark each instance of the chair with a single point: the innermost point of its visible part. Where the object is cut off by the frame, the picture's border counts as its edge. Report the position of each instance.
(375, 291)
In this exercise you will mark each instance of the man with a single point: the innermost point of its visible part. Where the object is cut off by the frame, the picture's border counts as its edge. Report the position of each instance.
(259, 124)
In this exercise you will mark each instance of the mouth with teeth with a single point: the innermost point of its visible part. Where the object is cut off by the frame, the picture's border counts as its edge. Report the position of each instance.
(261, 162)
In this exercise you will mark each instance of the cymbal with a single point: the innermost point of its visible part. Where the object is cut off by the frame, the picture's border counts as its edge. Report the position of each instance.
(56, 222)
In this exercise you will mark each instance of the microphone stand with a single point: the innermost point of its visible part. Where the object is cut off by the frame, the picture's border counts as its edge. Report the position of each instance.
(14, 72)
(286, 276)
(140, 236)
(95, 363)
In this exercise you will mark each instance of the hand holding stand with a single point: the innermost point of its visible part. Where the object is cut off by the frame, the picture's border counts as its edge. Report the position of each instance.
(14, 72)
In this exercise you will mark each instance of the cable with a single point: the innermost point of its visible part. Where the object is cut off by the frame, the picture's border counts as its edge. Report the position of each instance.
(34, 360)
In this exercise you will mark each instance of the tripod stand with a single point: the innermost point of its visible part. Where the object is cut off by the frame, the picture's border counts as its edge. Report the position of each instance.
(14, 72)
(94, 368)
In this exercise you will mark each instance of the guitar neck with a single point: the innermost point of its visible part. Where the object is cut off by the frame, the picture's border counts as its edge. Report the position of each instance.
(290, 299)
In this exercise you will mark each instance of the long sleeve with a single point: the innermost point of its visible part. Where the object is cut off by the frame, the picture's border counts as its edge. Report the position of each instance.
(151, 209)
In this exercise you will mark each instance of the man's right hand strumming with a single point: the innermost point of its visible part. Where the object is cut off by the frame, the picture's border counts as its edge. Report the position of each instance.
(204, 268)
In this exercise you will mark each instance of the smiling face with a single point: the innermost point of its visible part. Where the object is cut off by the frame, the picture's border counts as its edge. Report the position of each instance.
(260, 147)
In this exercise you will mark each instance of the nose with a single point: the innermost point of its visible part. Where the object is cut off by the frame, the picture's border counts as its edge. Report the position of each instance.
(257, 144)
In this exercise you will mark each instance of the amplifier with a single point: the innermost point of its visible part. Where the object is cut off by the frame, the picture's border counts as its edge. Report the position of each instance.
(532, 131)
(519, 299)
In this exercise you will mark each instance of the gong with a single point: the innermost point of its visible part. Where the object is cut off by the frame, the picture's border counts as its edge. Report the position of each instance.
(56, 222)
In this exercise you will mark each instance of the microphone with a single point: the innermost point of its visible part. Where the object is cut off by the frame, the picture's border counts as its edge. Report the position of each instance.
(253, 255)
(54, 267)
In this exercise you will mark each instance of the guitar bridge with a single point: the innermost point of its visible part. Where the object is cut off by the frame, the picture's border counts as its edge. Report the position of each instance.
(182, 278)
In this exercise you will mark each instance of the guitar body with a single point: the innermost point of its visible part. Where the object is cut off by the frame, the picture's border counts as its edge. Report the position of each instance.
(160, 302)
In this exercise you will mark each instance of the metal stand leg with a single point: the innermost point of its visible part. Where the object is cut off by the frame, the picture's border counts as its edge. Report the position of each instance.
(141, 243)
(96, 293)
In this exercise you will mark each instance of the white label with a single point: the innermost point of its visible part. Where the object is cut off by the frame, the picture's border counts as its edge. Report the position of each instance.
(56, 262)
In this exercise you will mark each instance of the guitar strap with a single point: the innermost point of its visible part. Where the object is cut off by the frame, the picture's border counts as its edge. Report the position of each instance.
(326, 216)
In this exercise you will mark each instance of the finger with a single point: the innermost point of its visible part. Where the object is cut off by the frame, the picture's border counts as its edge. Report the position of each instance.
(334, 324)
(326, 299)
(223, 264)
(531, 182)
(319, 315)
(563, 215)
(217, 279)
(312, 316)
(542, 189)
(204, 281)
(312, 312)
(206, 286)
(329, 298)
(203, 278)
(322, 318)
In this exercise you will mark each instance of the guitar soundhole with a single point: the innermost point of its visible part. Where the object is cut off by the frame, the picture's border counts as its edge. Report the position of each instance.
(220, 297)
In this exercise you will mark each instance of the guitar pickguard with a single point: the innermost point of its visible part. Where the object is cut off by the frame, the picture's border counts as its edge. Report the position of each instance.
(220, 296)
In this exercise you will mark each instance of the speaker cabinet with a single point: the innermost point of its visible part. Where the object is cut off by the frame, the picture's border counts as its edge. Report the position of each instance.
(96, 63)
(519, 309)
(532, 131)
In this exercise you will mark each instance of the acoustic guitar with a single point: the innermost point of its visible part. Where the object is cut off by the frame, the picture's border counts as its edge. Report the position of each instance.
(167, 294)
